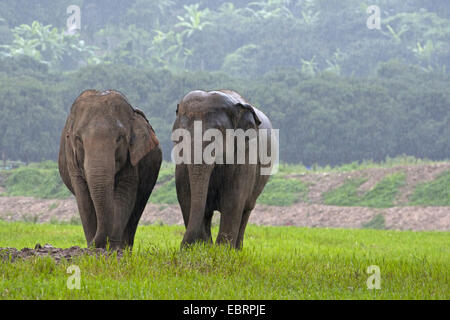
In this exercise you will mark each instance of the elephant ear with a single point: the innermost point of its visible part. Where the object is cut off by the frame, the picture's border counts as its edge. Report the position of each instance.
(143, 138)
(247, 116)
(68, 151)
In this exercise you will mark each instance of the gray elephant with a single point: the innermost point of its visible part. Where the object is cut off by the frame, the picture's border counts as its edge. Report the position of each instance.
(228, 187)
(109, 159)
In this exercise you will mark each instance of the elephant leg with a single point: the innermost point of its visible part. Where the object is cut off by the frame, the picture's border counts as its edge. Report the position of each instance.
(183, 191)
(245, 217)
(85, 208)
(230, 222)
(125, 193)
(233, 201)
(133, 222)
(199, 176)
(207, 225)
(148, 174)
(130, 229)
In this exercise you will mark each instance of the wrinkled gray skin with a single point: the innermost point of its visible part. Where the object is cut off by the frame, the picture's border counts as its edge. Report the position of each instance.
(109, 159)
(231, 189)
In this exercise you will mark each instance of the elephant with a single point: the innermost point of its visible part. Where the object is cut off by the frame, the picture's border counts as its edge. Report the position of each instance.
(109, 158)
(204, 187)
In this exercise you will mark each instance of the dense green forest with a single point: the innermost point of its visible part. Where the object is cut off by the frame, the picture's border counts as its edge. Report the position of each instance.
(337, 90)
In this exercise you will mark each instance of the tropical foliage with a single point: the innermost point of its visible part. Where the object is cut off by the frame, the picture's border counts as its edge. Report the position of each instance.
(308, 35)
(50, 46)
(338, 91)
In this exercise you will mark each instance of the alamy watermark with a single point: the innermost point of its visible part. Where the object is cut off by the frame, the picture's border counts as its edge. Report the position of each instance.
(74, 281)
(374, 280)
(73, 22)
(374, 20)
(252, 146)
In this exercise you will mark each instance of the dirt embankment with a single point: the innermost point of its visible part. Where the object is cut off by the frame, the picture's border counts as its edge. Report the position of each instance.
(311, 214)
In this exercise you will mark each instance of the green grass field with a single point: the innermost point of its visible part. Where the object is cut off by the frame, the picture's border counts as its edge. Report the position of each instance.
(276, 263)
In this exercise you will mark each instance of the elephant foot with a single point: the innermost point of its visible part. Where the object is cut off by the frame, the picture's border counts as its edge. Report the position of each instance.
(191, 238)
(227, 240)
(104, 242)
(99, 241)
(114, 244)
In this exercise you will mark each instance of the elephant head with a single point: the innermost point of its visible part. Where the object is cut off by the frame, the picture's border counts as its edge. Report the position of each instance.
(104, 138)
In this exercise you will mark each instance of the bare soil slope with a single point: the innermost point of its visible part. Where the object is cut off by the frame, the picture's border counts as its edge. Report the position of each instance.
(311, 214)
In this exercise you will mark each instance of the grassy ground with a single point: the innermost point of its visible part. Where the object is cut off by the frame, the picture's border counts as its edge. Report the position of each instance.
(281, 191)
(356, 165)
(40, 180)
(345, 195)
(433, 193)
(381, 196)
(276, 263)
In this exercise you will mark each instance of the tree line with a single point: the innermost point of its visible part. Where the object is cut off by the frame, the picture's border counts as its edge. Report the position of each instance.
(323, 119)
